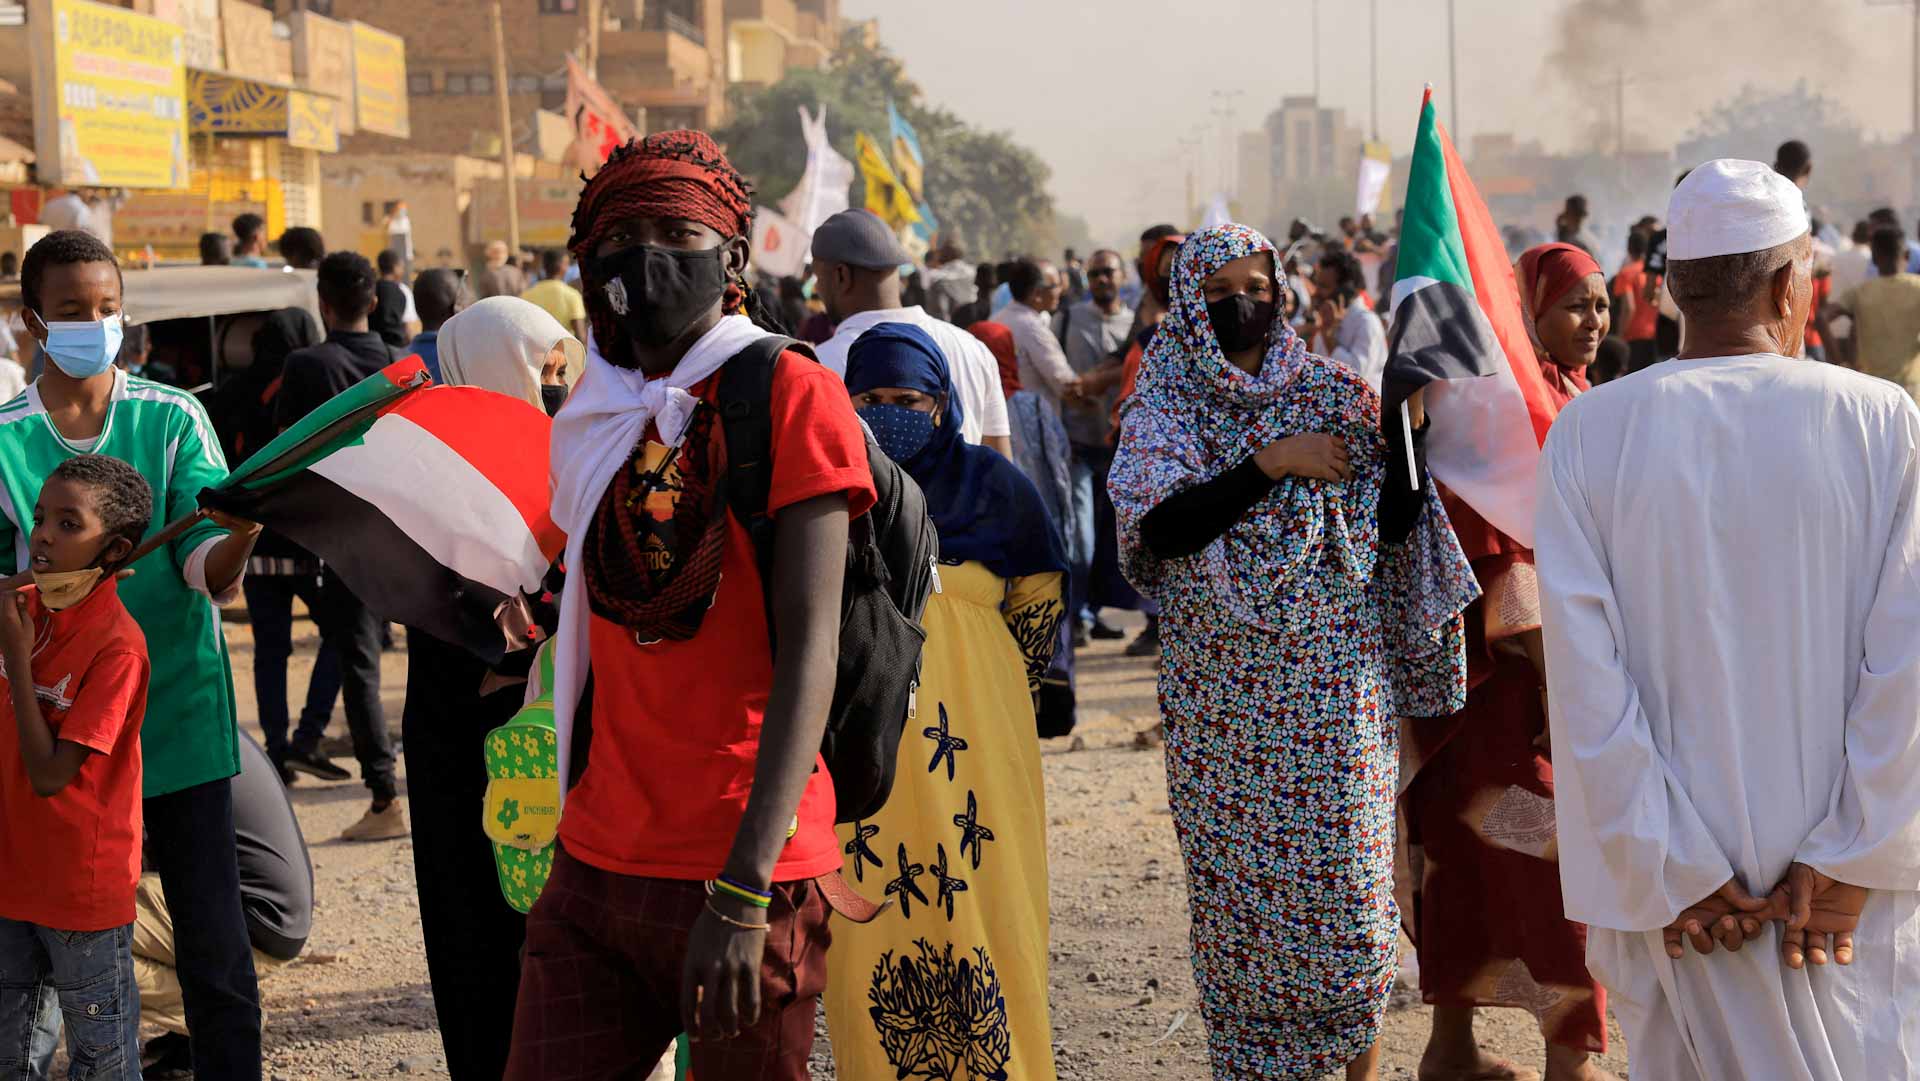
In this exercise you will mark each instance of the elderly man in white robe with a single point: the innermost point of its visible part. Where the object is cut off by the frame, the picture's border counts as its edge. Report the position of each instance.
(1729, 563)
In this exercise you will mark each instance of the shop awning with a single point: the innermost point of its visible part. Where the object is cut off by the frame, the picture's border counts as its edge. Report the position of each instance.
(223, 104)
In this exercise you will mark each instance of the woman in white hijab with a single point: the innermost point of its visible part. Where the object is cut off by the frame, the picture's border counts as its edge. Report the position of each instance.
(473, 937)
(513, 347)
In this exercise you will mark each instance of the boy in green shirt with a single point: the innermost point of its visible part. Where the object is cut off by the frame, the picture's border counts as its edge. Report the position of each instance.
(81, 404)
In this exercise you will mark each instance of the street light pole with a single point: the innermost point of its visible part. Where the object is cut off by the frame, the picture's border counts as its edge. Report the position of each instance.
(1453, 77)
(1315, 5)
(1373, 52)
(1224, 111)
(506, 130)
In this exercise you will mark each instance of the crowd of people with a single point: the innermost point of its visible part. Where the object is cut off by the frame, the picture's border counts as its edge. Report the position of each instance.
(1585, 770)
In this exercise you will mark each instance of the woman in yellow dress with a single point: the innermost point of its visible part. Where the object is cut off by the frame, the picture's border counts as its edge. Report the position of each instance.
(950, 981)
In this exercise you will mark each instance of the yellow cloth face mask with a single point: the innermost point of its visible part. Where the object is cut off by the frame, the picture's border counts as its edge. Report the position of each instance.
(64, 589)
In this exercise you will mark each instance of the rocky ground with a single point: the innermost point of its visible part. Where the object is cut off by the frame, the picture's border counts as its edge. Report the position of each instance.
(357, 1004)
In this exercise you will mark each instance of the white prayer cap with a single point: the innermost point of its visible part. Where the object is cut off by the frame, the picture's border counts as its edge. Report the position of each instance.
(1729, 207)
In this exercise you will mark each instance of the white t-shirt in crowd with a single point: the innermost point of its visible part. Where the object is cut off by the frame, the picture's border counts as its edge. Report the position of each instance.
(975, 374)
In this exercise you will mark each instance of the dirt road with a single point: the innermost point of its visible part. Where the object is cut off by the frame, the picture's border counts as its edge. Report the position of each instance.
(357, 1004)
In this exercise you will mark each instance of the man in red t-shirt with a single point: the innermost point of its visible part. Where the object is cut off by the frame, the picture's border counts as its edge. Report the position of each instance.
(683, 894)
(75, 688)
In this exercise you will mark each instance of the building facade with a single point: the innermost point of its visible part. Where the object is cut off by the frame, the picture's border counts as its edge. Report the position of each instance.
(1313, 157)
(668, 63)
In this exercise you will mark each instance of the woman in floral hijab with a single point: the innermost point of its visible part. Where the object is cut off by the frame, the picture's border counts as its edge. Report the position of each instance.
(1309, 593)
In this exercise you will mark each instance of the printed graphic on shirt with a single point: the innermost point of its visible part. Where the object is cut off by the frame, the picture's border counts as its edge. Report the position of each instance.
(54, 695)
(655, 547)
(939, 1017)
(663, 481)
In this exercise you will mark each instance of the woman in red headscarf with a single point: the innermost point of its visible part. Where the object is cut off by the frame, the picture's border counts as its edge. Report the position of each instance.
(1478, 794)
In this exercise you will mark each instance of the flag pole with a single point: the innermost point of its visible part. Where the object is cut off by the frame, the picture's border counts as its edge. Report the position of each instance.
(144, 549)
(1406, 434)
(1406, 416)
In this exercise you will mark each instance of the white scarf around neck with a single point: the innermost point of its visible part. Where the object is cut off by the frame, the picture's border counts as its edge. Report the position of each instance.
(593, 436)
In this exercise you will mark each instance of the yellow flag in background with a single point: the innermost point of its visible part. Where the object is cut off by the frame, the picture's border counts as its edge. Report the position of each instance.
(886, 196)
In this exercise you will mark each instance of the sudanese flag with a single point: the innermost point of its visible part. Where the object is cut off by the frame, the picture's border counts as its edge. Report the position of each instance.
(1458, 331)
(429, 502)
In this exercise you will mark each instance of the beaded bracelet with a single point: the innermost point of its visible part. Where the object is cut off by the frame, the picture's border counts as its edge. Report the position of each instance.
(731, 922)
(756, 898)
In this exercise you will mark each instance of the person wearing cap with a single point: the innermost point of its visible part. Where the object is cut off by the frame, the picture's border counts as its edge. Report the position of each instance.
(1728, 548)
(856, 269)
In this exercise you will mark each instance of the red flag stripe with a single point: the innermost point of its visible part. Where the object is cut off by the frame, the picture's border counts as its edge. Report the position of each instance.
(502, 438)
(1495, 288)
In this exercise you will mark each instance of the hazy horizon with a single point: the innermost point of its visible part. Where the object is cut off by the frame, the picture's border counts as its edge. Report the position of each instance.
(1105, 93)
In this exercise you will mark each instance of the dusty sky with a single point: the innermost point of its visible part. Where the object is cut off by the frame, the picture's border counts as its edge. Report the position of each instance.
(1072, 79)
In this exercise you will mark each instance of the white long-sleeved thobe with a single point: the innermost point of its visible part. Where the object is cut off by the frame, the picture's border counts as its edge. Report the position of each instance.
(1729, 561)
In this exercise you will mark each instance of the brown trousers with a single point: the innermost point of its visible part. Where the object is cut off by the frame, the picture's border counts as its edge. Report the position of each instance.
(600, 981)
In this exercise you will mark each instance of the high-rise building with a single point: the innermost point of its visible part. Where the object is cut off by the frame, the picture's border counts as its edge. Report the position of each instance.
(1313, 159)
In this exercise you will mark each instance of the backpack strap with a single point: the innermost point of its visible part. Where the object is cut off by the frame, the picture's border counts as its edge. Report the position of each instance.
(746, 420)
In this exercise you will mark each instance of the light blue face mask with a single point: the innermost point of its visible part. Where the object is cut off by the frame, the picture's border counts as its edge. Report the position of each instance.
(84, 350)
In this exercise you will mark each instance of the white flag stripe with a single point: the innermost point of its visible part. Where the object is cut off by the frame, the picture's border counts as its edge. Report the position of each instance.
(1482, 446)
(433, 495)
(1406, 287)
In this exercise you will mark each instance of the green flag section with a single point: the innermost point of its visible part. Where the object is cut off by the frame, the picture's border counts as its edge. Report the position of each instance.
(429, 502)
(1458, 332)
(342, 420)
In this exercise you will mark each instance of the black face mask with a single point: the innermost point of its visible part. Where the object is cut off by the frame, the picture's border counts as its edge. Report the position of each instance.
(657, 293)
(1240, 322)
(552, 398)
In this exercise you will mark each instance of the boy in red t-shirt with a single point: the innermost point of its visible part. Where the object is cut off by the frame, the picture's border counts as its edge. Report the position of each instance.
(75, 689)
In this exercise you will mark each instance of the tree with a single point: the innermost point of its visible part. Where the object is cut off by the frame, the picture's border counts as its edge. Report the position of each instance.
(1755, 121)
(988, 192)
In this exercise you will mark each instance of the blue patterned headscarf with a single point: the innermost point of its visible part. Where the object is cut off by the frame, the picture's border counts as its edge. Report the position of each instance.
(1196, 416)
(984, 508)
(1186, 373)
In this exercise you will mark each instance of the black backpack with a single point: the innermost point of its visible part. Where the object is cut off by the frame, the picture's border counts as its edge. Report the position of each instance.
(891, 555)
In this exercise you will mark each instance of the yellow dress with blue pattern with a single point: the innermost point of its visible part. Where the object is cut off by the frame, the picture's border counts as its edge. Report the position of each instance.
(951, 980)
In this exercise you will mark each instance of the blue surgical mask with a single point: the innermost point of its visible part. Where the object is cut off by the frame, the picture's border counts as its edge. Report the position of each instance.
(84, 350)
(901, 432)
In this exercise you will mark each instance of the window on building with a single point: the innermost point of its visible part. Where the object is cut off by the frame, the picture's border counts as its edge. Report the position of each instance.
(321, 7)
(681, 17)
(419, 82)
(455, 83)
(479, 84)
(524, 84)
(559, 7)
(366, 214)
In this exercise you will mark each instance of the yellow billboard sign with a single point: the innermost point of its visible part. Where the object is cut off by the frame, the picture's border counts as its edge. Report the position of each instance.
(313, 121)
(109, 96)
(380, 81)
